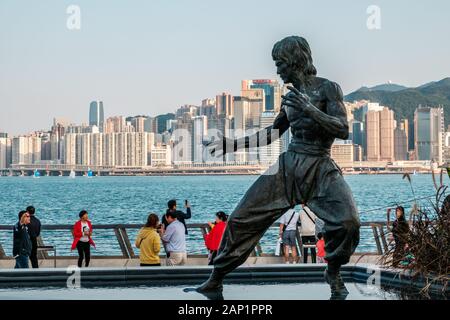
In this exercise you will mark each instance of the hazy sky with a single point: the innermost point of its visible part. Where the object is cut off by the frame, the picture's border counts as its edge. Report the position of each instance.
(149, 57)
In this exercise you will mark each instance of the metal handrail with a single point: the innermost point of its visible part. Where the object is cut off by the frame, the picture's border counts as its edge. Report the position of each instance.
(128, 253)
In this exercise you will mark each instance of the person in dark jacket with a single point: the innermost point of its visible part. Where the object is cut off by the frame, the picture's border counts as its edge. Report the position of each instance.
(400, 229)
(34, 230)
(181, 216)
(21, 241)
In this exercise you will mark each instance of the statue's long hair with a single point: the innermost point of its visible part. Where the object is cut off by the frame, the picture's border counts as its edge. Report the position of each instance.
(296, 52)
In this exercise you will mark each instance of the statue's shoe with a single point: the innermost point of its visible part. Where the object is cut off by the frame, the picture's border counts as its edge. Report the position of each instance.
(213, 284)
(336, 283)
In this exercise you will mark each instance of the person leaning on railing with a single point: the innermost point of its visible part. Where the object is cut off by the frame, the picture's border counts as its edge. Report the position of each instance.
(149, 242)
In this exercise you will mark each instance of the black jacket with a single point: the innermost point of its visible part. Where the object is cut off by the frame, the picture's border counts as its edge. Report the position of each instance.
(21, 240)
(34, 228)
(181, 216)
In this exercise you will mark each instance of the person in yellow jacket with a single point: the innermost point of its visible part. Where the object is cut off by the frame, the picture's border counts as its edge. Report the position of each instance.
(149, 242)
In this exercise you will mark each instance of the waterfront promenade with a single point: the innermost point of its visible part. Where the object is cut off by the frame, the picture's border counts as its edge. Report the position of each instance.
(129, 257)
(362, 167)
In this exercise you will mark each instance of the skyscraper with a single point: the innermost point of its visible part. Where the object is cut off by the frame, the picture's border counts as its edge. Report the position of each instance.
(269, 154)
(96, 114)
(5, 152)
(387, 127)
(271, 89)
(199, 132)
(380, 135)
(256, 101)
(429, 133)
(26, 150)
(139, 124)
(373, 136)
(446, 156)
(401, 144)
(358, 133)
(241, 117)
(224, 104)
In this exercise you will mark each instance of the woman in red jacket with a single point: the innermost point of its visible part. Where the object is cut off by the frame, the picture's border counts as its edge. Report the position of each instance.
(214, 237)
(82, 238)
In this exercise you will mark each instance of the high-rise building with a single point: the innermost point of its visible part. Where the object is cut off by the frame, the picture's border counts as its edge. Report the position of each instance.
(115, 124)
(224, 104)
(121, 148)
(138, 124)
(272, 92)
(26, 150)
(5, 152)
(446, 156)
(429, 131)
(256, 101)
(360, 112)
(269, 154)
(96, 149)
(373, 136)
(57, 139)
(182, 138)
(404, 125)
(401, 144)
(161, 121)
(199, 132)
(96, 114)
(380, 135)
(46, 146)
(358, 133)
(109, 149)
(241, 124)
(411, 136)
(187, 108)
(151, 125)
(70, 148)
(387, 127)
(343, 152)
(83, 149)
(241, 114)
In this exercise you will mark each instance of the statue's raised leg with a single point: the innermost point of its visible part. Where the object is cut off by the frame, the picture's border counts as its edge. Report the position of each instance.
(260, 207)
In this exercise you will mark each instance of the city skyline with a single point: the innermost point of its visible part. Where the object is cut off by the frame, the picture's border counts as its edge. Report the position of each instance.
(375, 136)
(149, 59)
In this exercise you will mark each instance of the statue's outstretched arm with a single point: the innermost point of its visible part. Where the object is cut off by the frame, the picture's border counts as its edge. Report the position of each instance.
(264, 136)
(261, 138)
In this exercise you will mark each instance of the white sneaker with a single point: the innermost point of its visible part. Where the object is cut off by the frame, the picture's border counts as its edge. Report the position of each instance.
(287, 262)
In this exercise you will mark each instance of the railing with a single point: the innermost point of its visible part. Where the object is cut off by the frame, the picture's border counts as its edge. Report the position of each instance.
(120, 230)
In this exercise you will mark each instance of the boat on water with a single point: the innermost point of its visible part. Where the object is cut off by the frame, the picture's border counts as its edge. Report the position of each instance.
(36, 174)
(90, 174)
(72, 174)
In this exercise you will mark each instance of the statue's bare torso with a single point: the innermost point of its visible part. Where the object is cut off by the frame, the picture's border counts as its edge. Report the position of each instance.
(326, 96)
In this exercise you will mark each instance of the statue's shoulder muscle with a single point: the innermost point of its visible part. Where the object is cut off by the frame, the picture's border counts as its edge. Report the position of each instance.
(331, 90)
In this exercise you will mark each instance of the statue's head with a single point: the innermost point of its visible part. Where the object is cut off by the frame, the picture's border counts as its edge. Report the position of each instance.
(293, 60)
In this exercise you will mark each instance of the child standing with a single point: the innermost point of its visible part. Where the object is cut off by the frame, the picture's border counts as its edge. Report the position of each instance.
(320, 245)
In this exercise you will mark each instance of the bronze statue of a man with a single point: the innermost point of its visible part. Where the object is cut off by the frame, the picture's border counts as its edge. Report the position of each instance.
(306, 174)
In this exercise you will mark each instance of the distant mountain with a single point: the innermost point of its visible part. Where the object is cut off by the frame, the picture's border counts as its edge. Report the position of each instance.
(405, 101)
(391, 87)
